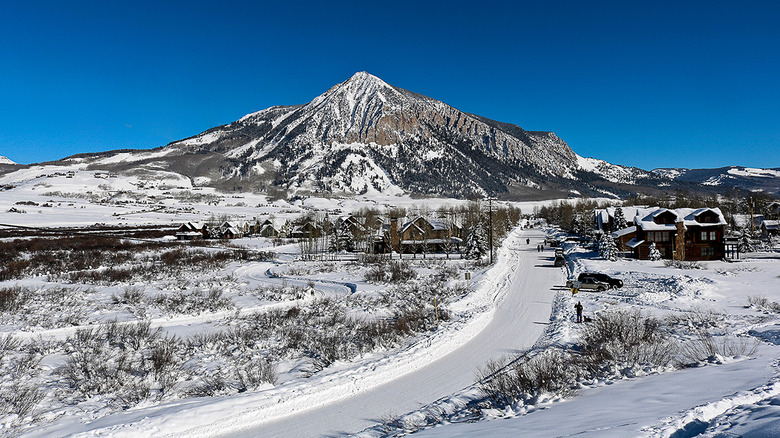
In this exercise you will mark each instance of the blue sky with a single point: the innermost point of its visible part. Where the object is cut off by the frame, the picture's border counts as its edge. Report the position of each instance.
(638, 83)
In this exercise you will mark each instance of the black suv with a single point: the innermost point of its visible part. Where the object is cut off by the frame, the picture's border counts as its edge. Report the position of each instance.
(612, 282)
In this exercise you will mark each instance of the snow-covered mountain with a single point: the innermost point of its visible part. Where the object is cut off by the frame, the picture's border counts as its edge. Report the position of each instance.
(5, 160)
(744, 178)
(366, 136)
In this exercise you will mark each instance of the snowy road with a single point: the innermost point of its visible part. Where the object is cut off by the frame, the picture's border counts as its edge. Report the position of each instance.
(523, 304)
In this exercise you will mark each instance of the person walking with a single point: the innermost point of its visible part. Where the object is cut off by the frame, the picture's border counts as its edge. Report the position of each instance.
(527, 241)
(578, 308)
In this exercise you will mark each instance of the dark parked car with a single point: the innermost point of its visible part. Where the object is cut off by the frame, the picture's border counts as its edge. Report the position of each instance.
(612, 282)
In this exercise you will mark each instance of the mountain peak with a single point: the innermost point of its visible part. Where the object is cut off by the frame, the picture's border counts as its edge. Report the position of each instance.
(362, 84)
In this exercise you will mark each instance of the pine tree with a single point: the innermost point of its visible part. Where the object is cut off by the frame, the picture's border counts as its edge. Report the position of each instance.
(602, 246)
(333, 241)
(654, 255)
(620, 219)
(608, 248)
(477, 242)
(346, 241)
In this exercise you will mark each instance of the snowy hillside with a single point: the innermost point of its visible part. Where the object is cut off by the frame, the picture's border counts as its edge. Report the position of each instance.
(745, 178)
(5, 160)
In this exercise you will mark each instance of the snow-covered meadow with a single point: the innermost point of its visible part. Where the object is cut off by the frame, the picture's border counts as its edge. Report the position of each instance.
(248, 339)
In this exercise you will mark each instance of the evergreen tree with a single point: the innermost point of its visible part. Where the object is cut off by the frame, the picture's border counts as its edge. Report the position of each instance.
(620, 219)
(346, 242)
(654, 255)
(608, 249)
(333, 241)
(477, 242)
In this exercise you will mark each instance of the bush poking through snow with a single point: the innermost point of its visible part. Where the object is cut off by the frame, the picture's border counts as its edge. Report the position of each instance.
(193, 302)
(680, 264)
(762, 304)
(552, 372)
(624, 338)
(616, 341)
(392, 272)
(706, 348)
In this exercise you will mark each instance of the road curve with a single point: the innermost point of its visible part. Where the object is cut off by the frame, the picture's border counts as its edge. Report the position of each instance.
(524, 302)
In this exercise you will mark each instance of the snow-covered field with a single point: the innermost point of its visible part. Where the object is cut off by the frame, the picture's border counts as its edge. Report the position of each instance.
(420, 379)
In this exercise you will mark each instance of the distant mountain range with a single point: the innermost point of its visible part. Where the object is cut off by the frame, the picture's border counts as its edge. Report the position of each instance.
(364, 136)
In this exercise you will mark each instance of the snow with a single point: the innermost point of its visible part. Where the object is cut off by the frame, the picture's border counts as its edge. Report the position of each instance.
(754, 173)
(611, 172)
(517, 304)
(5, 160)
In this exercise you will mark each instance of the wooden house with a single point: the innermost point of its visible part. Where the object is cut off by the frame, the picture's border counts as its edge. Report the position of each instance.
(229, 230)
(192, 231)
(307, 230)
(423, 235)
(770, 227)
(683, 233)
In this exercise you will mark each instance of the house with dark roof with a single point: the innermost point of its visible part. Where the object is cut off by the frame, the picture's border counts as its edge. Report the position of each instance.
(192, 231)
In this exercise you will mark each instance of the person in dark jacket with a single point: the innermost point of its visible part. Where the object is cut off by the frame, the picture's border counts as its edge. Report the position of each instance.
(578, 308)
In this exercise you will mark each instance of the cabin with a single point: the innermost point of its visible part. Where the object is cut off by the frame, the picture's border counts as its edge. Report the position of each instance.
(682, 234)
(423, 235)
(267, 229)
(307, 230)
(351, 224)
(192, 231)
(770, 227)
(229, 230)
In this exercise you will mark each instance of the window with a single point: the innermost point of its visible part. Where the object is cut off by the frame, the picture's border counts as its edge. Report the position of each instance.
(657, 236)
(708, 236)
(707, 252)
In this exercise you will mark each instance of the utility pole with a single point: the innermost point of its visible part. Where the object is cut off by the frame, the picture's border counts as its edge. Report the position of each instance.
(490, 224)
(752, 205)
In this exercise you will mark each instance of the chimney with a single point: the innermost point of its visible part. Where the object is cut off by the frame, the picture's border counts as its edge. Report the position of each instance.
(680, 241)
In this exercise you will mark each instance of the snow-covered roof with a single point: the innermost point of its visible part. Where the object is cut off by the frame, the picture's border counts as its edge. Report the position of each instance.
(633, 243)
(436, 224)
(688, 216)
(624, 231)
(771, 224)
(603, 215)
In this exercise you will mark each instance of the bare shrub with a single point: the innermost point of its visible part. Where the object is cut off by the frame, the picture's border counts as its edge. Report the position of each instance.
(194, 302)
(681, 264)
(12, 298)
(527, 377)
(624, 338)
(211, 385)
(763, 304)
(251, 374)
(8, 345)
(49, 307)
(392, 272)
(19, 399)
(130, 295)
(705, 347)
